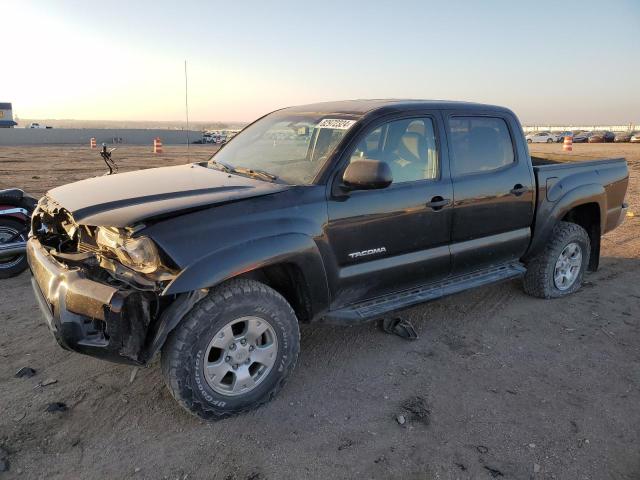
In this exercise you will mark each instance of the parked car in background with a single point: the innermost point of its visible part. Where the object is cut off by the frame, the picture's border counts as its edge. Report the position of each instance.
(561, 136)
(581, 137)
(541, 137)
(601, 137)
(635, 138)
(622, 137)
(37, 125)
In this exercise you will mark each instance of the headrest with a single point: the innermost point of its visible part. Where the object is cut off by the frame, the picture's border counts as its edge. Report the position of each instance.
(411, 142)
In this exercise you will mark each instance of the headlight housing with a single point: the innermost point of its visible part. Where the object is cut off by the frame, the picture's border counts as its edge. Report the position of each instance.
(139, 254)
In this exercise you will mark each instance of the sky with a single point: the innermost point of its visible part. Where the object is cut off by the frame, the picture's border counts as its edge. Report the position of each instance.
(549, 61)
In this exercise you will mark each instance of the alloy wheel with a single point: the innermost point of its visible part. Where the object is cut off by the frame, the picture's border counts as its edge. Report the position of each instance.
(568, 266)
(240, 356)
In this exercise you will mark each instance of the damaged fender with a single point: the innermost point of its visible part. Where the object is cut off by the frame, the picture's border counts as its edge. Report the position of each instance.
(221, 265)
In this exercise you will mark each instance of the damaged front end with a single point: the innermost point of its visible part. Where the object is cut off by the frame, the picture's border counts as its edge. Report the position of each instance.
(98, 287)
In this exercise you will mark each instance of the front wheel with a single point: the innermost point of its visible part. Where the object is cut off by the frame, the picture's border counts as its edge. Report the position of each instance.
(233, 351)
(549, 140)
(12, 230)
(529, 140)
(559, 269)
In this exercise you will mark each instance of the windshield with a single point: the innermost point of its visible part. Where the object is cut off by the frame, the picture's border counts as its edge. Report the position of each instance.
(285, 145)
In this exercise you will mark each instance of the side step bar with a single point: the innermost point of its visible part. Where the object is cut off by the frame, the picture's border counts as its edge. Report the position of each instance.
(378, 307)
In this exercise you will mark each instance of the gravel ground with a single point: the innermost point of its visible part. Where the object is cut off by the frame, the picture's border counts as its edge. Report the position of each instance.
(498, 385)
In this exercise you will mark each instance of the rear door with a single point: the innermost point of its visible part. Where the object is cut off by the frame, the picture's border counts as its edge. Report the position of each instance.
(397, 237)
(493, 190)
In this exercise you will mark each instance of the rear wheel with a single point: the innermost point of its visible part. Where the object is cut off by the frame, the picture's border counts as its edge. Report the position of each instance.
(528, 140)
(549, 140)
(12, 230)
(559, 269)
(233, 351)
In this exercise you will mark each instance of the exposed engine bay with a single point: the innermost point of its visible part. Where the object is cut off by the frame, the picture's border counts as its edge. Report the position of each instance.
(135, 262)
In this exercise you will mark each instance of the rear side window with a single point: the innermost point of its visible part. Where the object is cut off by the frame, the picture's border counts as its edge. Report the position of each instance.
(479, 144)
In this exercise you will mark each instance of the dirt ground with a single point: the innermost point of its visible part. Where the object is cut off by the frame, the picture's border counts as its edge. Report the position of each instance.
(499, 385)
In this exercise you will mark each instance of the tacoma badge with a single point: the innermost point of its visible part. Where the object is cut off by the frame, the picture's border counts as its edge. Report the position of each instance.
(364, 253)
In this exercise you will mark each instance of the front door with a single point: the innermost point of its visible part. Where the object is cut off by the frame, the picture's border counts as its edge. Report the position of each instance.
(397, 237)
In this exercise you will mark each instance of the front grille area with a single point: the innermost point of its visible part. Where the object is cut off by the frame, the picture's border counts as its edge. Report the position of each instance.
(54, 226)
(85, 247)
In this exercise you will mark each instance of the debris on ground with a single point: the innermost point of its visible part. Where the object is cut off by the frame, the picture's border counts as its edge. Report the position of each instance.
(418, 408)
(494, 472)
(400, 327)
(582, 442)
(19, 416)
(346, 444)
(57, 407)
(401, 420)
(4, 460)
(134, 372)
(49, 381)
(25, 372)
(482, 449)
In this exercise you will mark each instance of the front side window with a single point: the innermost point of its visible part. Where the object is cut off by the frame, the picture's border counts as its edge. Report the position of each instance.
(479, 144)
(290, 146)
(408, 146)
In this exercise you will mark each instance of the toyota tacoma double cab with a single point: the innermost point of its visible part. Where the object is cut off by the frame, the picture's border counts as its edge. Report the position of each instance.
(336, 212)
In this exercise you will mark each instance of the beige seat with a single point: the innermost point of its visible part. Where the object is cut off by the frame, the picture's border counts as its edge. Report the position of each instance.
(408, 159)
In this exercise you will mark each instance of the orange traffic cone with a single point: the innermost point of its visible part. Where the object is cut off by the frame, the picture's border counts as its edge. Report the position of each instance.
(567, 146)
(92, 143)
(157, 145)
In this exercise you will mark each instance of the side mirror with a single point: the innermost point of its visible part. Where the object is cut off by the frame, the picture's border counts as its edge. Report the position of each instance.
(367, 175)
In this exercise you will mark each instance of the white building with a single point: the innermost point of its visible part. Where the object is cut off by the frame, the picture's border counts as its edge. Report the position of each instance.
(6, 116)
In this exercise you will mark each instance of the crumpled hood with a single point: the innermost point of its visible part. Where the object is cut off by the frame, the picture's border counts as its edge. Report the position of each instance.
(125, 199)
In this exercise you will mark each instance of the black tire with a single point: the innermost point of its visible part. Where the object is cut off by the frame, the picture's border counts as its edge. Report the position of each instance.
(14, 265)
(539, 279)
(550, 140)
(529, 140)
(183, 354)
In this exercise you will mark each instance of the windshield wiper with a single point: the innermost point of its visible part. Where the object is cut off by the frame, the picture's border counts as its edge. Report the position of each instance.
(221, 166)
(224, 167)
(255, 173)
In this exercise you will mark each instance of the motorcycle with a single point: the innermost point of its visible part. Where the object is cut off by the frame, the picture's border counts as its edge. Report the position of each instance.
(16, 208)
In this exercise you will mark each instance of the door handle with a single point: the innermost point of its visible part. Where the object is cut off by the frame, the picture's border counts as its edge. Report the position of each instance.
(518, 190)
(438, 202)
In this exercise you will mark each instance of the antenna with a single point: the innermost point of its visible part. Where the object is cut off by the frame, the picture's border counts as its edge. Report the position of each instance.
(186, 103)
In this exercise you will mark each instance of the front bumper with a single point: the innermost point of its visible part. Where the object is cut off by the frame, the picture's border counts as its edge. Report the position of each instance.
(85, 315)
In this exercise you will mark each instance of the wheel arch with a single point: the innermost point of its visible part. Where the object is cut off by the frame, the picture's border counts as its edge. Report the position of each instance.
(291, 264)
(589, 217)
(585, 205)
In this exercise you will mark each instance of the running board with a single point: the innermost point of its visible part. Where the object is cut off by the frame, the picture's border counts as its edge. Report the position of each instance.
(378, 307)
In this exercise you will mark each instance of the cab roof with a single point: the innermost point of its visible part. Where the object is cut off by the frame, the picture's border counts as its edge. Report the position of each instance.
(362, 107)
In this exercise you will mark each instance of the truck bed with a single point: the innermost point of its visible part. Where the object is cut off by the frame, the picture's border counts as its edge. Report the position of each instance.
(562, 176)
(541, 159)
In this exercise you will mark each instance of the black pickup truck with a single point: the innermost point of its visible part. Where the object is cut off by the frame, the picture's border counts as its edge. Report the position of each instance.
(337, 212)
